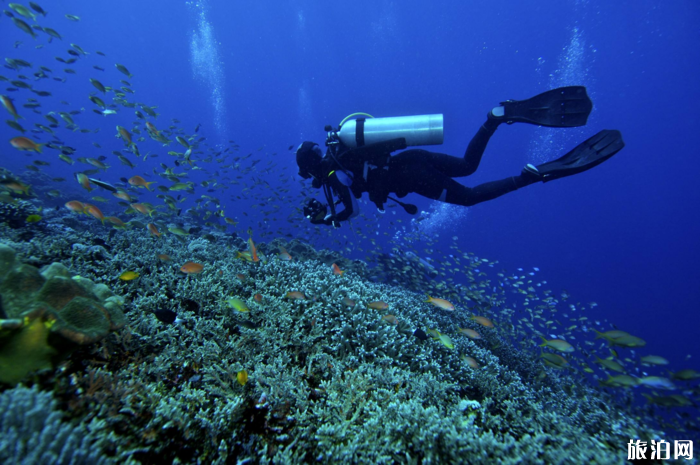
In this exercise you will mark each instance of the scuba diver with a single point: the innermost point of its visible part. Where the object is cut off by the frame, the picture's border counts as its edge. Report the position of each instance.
(359, 156)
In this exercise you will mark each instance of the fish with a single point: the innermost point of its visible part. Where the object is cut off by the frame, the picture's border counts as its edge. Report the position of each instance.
(295, 295)
(166, 316)
(611, 365)
(16, 125)
(657, 382)
(128, 276)
(10, 107)
(470, 361)
(470, 333)
(164, 257)
(336, 270)
(348, 302)
(122, 69)
(75, 206)
(557, 344)
(178, 231)
(94, 212)
(52, 33)
(443, 339)
(192, 268)
(620, 381)
(23, 10)
(420, 334)
(284, 255)
(153, 230)
(674, 400)
(124, 135)
(37, 8)
(24, 27)
(138, 181)
(483, 321)
(554, 360)
(686, 375)
(253, 251)
(24, 143)
(242, 377)
(116, 222)
(258, 298)
(33, 219)
(441, 303)
(378, 305)
(83, 181)
(102, 184)
(238, 304)
(391, 319)
(653, 360)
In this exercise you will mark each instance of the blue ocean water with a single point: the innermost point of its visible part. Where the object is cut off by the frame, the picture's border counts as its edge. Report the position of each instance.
(268, 75)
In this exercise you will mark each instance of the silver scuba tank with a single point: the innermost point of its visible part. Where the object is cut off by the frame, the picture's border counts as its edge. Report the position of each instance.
(417, 130)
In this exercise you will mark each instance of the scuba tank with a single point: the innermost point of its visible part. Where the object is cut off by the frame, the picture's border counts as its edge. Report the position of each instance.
(416, 130)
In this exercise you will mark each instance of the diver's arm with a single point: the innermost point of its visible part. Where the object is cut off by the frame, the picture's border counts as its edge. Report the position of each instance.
(347, 198)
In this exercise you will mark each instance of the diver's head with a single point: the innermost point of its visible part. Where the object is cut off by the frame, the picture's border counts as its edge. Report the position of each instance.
(309, 157)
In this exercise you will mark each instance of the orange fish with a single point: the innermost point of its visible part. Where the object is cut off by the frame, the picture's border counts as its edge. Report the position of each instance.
(390, 319)
(470, 333)
(378, 305)
(17, 187)
(258, 297)
(138, 181)
(83, 181)
(143, 208)
(284, 255)
(164, 257)
(94, 212)
(441, 303)
(152, 128)
(116, 222)
(242, 277)
(337, 270)
(24, 143)
(153, 230)
(75, 206)
(192, 268)
(97, 163)
(295, 295)
(253, 250)
(470, 361)
(125, 135)
(7, 103)
(483, 321)
(120, 194)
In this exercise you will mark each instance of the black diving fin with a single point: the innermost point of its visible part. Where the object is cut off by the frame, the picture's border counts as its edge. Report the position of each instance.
(410, 209)
(564, 107)
(586, 155)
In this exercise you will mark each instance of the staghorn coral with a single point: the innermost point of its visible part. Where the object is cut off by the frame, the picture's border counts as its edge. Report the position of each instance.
(46, 314)
(32, 431)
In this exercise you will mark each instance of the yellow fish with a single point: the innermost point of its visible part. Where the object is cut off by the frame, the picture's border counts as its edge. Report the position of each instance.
(242, 377)
(128, 276)
(237, 304)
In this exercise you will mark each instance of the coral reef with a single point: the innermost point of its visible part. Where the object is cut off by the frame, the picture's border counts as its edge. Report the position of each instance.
(329, 379)
(32, 432)
(46, 314)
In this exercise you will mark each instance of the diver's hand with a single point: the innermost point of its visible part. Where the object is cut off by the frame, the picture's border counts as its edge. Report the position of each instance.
(330, 220)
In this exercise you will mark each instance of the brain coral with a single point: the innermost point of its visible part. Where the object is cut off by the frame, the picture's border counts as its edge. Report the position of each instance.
(46, 314)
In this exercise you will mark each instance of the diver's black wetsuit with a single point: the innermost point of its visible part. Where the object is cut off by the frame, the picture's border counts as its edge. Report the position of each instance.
(419, 171)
